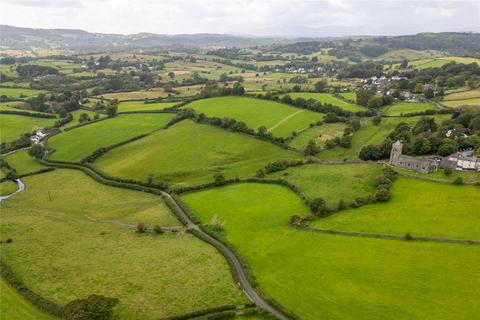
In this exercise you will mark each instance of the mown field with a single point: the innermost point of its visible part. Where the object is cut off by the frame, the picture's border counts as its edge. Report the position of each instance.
(76, 117)
(135, 95)
(153, 276)
(463, 95)
(280, 119)
(127, 106)
(459, 103)
(23, 163)
(328, 98)
(332, 182)
(189, 153)
(418, 207)
(76, 144)
(13, 126)
(398, 109)
(319, 134)
(319, 276)
(20, 92)
(437, 63)
(370, 134)
(15, 307)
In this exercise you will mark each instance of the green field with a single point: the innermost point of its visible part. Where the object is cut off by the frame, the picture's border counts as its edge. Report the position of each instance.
(320, 134)
(76, 144)
(20, 92)
(13, 126)
(12, 105)
(23, 163)
(463, 95)
(459, 103)
(370, 134)
(13, 306)
(76, 116)
(398, 109)
(332, 182)
(328, 98)
(62, 255)
(7, 187)
(352, 96)
(189, 153)
(126, 106)
(279, 118)
(440, 174)
(437, 63)
(417, 207)
(319, 276)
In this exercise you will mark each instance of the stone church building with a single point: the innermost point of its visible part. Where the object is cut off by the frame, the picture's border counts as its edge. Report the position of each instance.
(419, 164)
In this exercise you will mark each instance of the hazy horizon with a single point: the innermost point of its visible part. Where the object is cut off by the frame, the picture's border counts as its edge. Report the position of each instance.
(294, 18)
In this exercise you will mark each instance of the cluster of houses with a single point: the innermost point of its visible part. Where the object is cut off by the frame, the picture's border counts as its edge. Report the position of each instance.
(302, 70)
(38, 136)
(461, 161)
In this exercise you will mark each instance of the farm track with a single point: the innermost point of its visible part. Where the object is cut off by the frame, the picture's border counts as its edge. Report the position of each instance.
(232, 259)
(285, 119)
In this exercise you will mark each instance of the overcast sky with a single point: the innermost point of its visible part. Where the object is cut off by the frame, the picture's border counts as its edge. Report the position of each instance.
(253, 17)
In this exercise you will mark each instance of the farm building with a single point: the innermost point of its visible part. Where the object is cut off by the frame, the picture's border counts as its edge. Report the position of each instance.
(462, 161)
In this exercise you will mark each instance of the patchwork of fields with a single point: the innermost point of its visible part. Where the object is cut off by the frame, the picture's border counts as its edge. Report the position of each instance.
(329, 99)
(339, 277)
(188, 153)
(13, 126)
(153, 276)
(76, 144)
(280, 119)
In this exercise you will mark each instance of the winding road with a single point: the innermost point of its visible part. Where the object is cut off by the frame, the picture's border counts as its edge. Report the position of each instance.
(233, 260)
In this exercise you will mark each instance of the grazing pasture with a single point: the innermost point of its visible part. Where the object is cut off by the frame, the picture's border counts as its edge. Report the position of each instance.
(329, 99)
(280, 119)
(76, 144)
(127, 106)
(76, 117)
(437, 63)
(7, 187)
(23, 163)
(13, 126)
(370, 134)
(20, 92)
(418, 207)
(398, 109)
(440, 174)
(332, 182)
(460, 103)
(153, 276)
(15, 307)
(351, 96)
(189, 153)
(319, 134)
(320, 276)
(12, 105)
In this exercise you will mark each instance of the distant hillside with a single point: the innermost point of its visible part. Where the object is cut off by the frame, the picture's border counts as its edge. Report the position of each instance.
(457, 43)
(27, 38)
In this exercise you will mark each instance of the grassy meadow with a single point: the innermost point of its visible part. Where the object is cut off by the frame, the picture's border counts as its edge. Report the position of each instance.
(370, 134)
(319, 276)
(320, 134)
(13, 126)
(135, 95)
(352, 96)
(398, 109)
(76, 117)
(76, 144)
(328, 98)
(332, 182)
(418, 207)
(7, 187)
(153, 276)
(23, 163)
(127, 106)
(278, 118)
(188, 153)
(463, 95)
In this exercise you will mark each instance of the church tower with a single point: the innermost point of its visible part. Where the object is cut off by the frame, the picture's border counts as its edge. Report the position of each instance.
(396, 152)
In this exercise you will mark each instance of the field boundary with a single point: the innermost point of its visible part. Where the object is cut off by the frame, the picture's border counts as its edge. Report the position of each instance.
(406, 237)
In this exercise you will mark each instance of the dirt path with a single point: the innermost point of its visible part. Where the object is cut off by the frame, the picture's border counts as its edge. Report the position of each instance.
(285, 119)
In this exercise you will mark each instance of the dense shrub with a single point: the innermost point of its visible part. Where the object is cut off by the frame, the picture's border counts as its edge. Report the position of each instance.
(94, 307)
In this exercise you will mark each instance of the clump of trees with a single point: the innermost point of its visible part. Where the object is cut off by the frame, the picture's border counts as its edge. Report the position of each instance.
(94, 307)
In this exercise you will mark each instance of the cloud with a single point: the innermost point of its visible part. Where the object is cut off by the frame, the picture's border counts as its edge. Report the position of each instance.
(255, 17)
